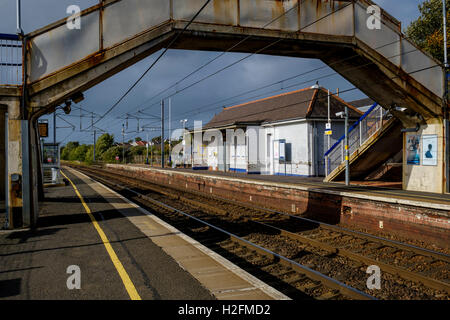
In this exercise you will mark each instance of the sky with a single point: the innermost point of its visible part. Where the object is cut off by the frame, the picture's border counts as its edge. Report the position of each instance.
(199, 102)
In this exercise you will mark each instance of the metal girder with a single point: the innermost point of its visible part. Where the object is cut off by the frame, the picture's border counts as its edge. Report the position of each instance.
(62, 62)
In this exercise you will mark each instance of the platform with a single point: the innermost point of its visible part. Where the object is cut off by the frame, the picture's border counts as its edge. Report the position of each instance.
(122, 250)
(415, 215)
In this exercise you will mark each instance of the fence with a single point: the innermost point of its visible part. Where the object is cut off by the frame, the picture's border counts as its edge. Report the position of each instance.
(370, 123)
(10, 59)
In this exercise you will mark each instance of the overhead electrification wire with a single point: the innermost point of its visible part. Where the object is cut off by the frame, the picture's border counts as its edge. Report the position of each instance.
(205, 107)
(202, 109)
(220, 55)
(153, 64)
(280, 81)
(266, 86)
(331, 94)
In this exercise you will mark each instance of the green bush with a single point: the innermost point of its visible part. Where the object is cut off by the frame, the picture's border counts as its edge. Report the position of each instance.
(111, 154)
(67, 149)
(89, 158)
(79, 153)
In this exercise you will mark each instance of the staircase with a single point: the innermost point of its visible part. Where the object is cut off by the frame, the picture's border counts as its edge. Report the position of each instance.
(374, 139)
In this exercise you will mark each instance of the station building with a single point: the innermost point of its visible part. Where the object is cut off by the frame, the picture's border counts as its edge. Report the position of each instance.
(278, 135)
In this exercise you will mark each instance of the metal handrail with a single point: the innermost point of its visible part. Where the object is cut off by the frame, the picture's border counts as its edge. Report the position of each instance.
(351, 128)
(368, 126)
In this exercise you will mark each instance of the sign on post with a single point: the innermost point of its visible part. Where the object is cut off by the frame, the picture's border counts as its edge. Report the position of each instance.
(328, 131)
(43, 129)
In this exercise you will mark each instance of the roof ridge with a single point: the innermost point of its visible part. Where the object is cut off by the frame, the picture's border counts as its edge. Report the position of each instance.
(268, 98)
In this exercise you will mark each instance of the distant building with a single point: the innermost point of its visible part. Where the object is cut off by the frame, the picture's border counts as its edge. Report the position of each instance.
(126, 145)
(139, 143)
(282, 135)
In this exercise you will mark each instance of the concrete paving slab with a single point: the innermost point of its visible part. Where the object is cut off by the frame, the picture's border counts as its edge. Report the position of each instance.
(212, 271)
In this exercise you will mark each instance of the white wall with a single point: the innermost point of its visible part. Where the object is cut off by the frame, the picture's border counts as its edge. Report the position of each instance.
(306, 138)
(295, 134)
(425, 178)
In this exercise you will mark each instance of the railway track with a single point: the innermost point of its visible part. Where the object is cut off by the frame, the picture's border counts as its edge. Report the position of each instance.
(331, 260)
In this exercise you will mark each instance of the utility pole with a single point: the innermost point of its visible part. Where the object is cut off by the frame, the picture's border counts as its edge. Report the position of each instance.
(123, 143)
(19, 17)
(347, 167)
(346, 148)
(146, 159)
(184, 141)
(162, 133)
(170, 131)
(328, 133)
(445, 100)
(329, 119)
(92, 126)
(54, 127)
(95, 138)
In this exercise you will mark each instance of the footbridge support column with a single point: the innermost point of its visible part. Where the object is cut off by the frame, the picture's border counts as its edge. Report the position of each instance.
(424, 157)
(21, 200)
(3, 154)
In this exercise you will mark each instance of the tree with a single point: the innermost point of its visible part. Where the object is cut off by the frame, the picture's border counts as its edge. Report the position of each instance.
(65, 152)
(79, 153)
(156, 140)
(427, 30)
(113, 152)
(105, 142)
(137, 151)
(137, 139)
(89, 158)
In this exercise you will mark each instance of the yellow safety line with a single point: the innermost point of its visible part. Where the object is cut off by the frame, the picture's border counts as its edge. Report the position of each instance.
(119, 267)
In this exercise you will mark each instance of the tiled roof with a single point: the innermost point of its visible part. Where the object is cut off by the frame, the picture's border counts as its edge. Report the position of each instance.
(301, 104)
(362, 103)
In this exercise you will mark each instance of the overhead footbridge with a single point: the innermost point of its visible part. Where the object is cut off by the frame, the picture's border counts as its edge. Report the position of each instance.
(60, 62)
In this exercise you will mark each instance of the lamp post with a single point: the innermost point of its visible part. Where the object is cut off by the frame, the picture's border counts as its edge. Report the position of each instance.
(445, 99)
(19, 17)
(146, 159)
(346, 148)
(151, 153)
(184, 141)
(123, 143)
(347, 155)
(162, 134)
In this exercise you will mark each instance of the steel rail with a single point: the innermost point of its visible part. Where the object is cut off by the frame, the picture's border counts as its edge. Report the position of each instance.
(312, 274)
(404, 246)
(401, 272)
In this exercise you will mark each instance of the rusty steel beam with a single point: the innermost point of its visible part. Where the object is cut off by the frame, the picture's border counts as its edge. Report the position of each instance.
(220, 27)
(397, 87)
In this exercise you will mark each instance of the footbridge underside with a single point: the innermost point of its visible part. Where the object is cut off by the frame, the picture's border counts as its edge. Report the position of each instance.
(117, 33)
(369, 50)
